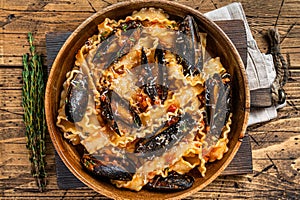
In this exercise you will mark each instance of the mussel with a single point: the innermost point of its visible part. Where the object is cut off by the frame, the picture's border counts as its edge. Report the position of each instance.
(173, 182)
(188, 47)
(218, 101)
(163, 83)
(154, 85)
(124, 112)
(77, 98)
(166, 138)
(148, 81)
(106, 110)
(114, 108)
(109, 166)
(112, 48)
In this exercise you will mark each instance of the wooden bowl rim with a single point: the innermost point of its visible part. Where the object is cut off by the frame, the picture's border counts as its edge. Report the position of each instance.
(204, 20)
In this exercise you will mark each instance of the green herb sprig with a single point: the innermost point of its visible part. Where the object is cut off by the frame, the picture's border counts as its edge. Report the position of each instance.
(33, 92)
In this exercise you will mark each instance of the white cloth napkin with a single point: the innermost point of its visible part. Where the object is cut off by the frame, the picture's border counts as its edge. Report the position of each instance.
(260, 67)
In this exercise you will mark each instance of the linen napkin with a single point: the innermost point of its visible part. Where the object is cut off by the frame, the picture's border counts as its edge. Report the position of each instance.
(260, 67)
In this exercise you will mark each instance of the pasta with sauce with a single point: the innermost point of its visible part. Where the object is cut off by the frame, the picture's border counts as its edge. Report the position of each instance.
(147, 102)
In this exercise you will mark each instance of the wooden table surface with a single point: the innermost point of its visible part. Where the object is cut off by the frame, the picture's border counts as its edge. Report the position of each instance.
(275, 144)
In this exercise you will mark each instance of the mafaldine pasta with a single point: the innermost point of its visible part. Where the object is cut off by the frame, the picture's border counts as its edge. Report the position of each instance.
(147, 102)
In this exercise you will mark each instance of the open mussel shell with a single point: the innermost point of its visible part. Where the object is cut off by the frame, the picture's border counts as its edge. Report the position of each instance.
(111, 49)
(109, 166)
(166, 138)
(218, 105)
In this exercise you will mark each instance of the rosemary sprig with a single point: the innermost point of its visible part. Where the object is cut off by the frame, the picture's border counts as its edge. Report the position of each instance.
(33, 92)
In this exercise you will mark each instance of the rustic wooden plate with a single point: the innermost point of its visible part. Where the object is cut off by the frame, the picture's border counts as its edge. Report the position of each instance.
(218, 45)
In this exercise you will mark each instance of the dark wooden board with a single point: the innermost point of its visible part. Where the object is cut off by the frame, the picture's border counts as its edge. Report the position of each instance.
(261, 98)
(235, 30)
(242, 162)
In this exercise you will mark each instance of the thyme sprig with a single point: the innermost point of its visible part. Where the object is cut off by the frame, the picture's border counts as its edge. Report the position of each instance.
(33, 92)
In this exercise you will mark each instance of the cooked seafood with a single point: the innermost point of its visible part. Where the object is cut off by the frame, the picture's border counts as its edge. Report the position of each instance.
(108, 166)
(146, 102)
(77, 98)
(172, 182)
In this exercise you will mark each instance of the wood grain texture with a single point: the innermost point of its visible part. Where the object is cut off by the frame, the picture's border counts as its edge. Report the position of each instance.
(276, 155)
(52, 16)
(261, 97)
